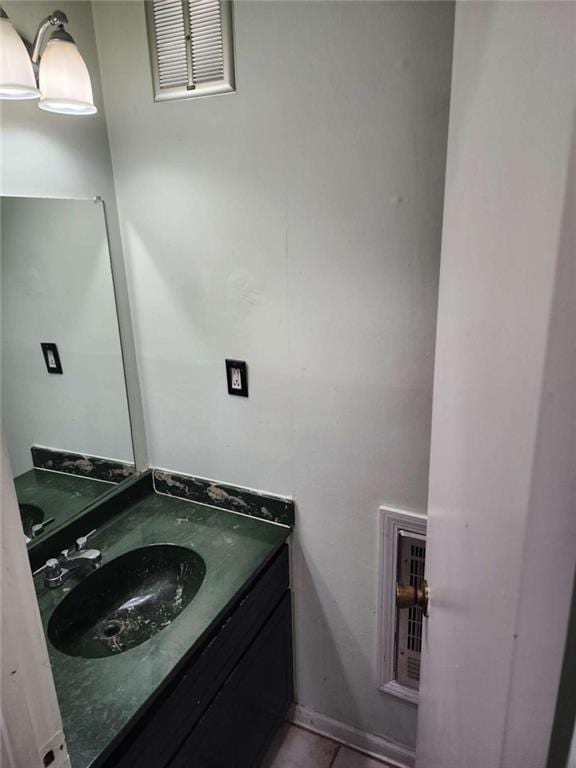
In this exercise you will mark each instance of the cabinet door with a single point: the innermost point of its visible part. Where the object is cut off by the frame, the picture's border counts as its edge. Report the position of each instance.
(242, 719)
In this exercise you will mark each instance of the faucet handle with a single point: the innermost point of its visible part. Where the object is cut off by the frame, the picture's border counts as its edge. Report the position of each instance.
(38, 528)
(81, 541)
(39, 570)
(51, 567)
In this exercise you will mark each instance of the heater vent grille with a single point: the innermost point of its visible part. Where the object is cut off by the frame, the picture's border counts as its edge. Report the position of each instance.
(411, 561)
(400, 632)
(413, 669)
(414, 635)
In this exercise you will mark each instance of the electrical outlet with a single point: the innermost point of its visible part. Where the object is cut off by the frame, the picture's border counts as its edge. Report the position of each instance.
(237, 377)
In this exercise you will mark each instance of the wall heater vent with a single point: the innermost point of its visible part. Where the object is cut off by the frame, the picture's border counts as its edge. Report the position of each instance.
(402, 559)
(410, 569)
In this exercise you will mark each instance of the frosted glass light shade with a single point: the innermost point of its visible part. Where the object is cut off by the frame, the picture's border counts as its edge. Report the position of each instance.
(64, 80)
(17, 79)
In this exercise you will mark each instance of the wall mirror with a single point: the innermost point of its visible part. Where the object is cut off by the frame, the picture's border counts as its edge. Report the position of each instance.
(65, 413)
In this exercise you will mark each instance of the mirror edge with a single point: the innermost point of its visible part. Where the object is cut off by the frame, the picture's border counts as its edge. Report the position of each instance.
(127, 340)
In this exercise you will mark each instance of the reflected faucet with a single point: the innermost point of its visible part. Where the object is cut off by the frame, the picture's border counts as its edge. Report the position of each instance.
(59, 570)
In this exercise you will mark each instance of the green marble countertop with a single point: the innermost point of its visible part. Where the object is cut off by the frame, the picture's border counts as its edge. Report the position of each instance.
(100, 697)
(58, 495)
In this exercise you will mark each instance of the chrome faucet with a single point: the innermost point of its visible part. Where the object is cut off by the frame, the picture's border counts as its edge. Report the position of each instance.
(58, 570)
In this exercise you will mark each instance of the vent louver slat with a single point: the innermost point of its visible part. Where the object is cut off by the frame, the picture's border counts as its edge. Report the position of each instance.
(170, 34)
(206, 41)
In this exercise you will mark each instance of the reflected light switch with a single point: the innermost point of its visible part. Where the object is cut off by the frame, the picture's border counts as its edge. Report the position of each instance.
(51, 357)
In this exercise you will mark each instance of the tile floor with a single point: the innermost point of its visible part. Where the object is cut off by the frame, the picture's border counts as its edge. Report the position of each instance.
(296, 748)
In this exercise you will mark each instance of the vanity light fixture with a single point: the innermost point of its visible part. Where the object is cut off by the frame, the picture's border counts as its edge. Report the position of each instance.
(63, 77)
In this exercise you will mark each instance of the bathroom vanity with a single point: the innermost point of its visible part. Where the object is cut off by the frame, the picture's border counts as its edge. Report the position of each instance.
(211, 686)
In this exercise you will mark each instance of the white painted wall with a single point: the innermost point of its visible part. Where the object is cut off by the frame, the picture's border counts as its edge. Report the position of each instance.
(501, 528)
(295, 224)
(57, 286)
(49, 155)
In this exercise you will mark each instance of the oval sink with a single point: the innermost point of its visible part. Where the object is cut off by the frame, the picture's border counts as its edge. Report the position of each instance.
(126, 601)
(30, 515)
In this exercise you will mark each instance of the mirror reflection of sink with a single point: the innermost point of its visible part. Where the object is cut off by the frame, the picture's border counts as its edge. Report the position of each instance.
(30, 515)
(126, 601)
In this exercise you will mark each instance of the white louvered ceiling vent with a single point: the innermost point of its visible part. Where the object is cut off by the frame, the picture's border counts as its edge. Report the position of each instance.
(191, 47)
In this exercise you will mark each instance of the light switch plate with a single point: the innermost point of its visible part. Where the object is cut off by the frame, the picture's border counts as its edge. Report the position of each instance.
(237, 377)
(51, 357)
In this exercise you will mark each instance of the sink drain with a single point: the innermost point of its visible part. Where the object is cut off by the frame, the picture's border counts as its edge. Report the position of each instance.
(111, 629)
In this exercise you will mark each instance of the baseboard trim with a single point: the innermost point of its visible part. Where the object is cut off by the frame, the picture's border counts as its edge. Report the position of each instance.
(374, 746)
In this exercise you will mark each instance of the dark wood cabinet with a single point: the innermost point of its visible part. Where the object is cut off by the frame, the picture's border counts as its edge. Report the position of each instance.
(239, 724)
(223, 706)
